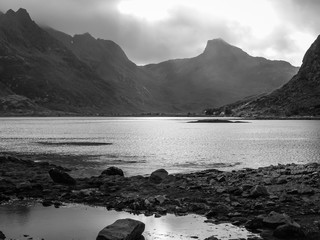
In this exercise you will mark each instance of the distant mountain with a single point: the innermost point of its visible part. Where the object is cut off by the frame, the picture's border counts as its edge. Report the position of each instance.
(134, 85)
(44, 71)
(221, 74)
(300, 96)
(37, 66)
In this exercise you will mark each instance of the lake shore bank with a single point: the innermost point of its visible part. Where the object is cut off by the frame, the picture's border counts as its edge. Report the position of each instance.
(244, 198)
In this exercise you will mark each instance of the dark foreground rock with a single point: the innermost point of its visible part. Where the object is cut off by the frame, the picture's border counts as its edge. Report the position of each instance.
(158, 176)
(113, 171)
(2, 236)
(123, 229)
(245, 197)
(59, 176)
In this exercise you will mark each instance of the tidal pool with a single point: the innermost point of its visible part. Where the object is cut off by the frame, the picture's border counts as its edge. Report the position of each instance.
(23, 220)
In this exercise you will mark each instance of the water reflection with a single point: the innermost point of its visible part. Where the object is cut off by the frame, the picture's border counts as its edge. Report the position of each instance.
(83, 222)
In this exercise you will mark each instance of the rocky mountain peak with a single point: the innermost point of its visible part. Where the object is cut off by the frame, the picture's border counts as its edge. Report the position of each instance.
(21, 14)
(84, 37)
(220, 48)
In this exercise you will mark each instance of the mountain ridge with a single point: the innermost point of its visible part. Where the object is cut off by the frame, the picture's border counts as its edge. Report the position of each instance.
(85, 75)
(298, 97)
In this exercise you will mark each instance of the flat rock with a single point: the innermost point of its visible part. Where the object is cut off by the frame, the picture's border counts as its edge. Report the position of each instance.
(122, 229)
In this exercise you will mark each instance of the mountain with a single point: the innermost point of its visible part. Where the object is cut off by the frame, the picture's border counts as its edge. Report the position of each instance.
(44, 71)
(221, 74)
(37, 66)
(134, 85)
(300, 96)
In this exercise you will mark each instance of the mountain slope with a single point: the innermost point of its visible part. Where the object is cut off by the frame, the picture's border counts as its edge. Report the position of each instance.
(37, 66)
(220, 75)
(134, 85)
(47, 70)
(300, 96)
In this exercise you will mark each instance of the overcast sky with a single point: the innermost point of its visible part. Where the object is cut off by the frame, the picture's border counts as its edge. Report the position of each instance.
(151, 31)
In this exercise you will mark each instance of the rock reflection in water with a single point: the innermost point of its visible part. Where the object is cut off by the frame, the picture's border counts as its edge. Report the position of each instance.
(84, 222)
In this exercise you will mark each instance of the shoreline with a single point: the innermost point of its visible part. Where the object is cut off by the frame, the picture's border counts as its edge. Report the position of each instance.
(157, 115)
(239, 197)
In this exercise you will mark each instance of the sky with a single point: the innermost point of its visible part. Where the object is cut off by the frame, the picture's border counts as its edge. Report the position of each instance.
(151, 31)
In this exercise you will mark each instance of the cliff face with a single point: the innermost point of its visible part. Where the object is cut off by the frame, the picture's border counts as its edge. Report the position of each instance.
(300, 96)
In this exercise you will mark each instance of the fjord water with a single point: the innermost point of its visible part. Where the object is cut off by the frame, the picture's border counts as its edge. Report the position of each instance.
(140, 145)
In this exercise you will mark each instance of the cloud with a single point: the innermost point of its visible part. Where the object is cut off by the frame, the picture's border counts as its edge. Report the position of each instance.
(157, 30)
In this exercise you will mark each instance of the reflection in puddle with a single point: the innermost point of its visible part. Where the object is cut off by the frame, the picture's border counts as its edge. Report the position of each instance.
(83, 222)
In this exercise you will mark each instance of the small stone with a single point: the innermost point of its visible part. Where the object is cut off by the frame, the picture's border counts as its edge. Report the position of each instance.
(47, 203)
(160, 199)
(221, 178)
(258, 191)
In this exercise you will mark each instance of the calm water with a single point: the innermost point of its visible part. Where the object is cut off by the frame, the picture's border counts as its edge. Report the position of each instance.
(141, 145)
(84, 223)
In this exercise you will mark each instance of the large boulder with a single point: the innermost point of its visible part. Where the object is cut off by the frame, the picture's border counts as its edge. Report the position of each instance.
(122, 229)
(158, 176)
(289, 231)
(2, 236)
(274, 219)
(61, 177)
(111, 171)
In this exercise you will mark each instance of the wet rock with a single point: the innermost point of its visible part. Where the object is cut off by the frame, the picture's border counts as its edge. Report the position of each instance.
(2, 236)
(219, 209)
(61, 177)
(158, 176)
(221, 178)
(211, 238)
(122, 229)
(254, 223)
(275, 219)
(258, 191)
(112, 171)
(47, 203)
(160, 199)
(289, 231)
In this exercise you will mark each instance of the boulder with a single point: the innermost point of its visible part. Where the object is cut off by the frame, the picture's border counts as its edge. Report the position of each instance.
(2, 236)
(258, 191)
(289, 231)
(274, 219)
(211, 238)
(61, 177)
(122, 229)
(112, 171)
(158, 176)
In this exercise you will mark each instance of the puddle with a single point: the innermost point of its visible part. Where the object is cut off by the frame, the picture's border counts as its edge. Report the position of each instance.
(79, 222)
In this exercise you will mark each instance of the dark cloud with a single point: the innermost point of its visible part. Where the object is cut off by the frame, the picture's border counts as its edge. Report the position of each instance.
(186, 29)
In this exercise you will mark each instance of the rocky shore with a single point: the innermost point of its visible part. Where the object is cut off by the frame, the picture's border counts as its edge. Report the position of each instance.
(279, 202)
